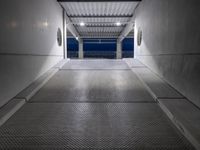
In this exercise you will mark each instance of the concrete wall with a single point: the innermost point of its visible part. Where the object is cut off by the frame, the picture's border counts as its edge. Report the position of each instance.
(28, 42)
(171, 42)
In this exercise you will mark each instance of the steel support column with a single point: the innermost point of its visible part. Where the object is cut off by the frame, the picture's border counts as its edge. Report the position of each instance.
(119, 49)
(64, 34)
(80, 51)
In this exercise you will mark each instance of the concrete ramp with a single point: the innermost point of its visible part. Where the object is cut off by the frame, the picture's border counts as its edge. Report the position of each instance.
(91, 64)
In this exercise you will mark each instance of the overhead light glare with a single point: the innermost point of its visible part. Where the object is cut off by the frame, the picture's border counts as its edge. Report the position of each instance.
(76, 38)
(118, 24)
(82, 24)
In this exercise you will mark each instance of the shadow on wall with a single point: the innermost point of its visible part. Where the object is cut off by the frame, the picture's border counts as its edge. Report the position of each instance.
(170, 45)
(29, 45)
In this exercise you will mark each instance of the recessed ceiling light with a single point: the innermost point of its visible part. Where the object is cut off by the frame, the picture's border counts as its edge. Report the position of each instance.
(82, 24)
(76, 38)
(118, 24)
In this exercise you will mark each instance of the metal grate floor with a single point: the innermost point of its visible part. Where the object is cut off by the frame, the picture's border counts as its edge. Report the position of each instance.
(101, 64)
(93, 86)
(92, 104)
(91, 125)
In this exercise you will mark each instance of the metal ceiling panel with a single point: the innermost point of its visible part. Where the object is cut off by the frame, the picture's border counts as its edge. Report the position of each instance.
(99, 35)
(100, 17)
(95, 20)
(98, 29)
(99, 8)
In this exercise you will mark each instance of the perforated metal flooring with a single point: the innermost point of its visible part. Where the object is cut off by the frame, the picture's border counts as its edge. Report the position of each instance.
(102, 64)
(86, 125)
(92, 109)
(93, 86)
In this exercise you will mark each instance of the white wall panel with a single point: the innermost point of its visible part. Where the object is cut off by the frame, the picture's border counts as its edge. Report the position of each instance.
(170, 44)
(28, 42)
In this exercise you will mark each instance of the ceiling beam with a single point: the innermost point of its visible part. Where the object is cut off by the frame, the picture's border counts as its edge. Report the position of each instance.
(99, 0)
(70, 27)
(100, 37)
(102, 16)
(100, 26)
(129, 27)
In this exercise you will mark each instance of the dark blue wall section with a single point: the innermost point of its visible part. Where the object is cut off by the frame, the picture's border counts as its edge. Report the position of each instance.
(100, 48)
(72, 48)
(128, 48)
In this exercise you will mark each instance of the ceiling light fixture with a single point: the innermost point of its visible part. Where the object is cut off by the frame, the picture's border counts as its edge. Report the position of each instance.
(82, 24)
(118, 23)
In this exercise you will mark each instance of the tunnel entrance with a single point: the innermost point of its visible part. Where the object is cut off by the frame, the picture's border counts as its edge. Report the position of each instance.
(100, 48)
(102, 99)
(103, 32)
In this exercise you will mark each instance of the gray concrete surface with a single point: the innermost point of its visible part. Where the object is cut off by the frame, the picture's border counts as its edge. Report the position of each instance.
(60, 64)
(170, 42)
(28, 43)
(9, 109)
(33, 88)
(93, 86)
(133, 63)
(186, 116)
(91, 64)
(157, 87)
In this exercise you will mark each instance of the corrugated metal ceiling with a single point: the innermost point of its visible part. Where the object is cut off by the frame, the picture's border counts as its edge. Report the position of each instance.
(100, 20)
(99, 17)
(99, 8)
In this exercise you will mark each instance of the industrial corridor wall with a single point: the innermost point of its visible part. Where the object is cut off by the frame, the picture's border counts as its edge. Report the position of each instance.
(171, 42)
(28, 39)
